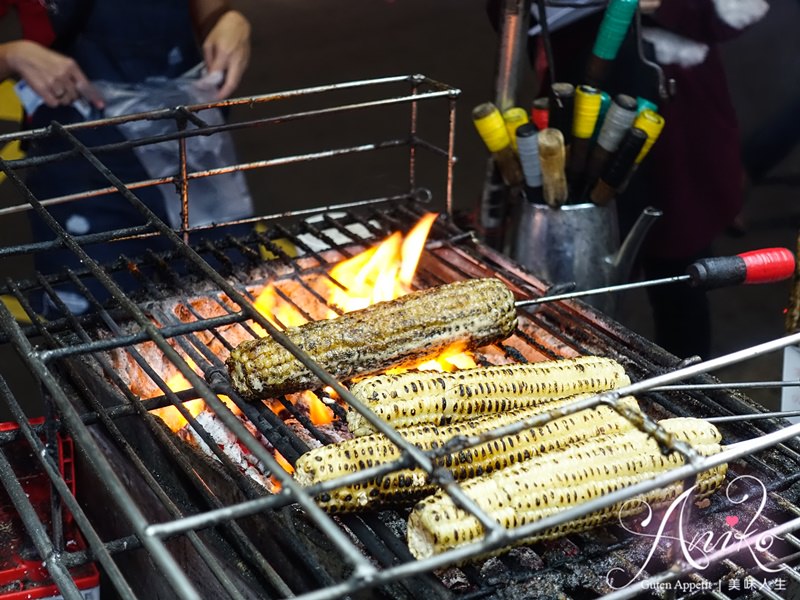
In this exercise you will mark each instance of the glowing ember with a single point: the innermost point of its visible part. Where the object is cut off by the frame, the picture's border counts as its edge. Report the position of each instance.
(283, 463)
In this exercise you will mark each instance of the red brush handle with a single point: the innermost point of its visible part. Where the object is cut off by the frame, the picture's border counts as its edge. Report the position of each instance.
(759, 266)
(768, 265)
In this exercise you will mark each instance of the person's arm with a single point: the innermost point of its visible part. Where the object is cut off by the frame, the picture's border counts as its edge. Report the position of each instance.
(55, 77)
(225, 35)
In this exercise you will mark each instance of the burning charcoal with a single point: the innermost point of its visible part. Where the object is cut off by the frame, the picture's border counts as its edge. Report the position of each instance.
(301, 432)
(395, 522)
(558, 550)
(494, 571)
(271, 301)
(596, 540)
(547, 340)
(132, 374)
(588, 577)
(454, 579)
(535, 589)
(229, 444)
(207, 308)
(336, 432)
(526, 559)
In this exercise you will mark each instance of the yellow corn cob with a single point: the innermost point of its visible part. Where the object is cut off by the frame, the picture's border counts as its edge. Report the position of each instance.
(407, 485)
(441, 398)
(536, 488)
(401, 332)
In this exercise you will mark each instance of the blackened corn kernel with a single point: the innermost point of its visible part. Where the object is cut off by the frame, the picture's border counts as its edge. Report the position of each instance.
(410, 398)
(531, 490)
(408, 485)
(395, 333)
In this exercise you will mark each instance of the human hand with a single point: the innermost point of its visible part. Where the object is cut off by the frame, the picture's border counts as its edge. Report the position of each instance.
(226, 50)
(649, 6)
(56, 78)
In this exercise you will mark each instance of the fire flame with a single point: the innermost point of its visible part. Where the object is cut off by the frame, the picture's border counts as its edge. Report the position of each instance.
(172, 416)
(382, 272)
(317, 411)
(379, 273)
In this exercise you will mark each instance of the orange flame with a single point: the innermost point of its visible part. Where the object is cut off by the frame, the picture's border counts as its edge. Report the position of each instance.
(287, 466)
(172, 416)
(384, 272)
(318, 412)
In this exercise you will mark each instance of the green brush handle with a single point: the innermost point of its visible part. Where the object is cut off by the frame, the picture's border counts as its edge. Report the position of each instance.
(616, 20)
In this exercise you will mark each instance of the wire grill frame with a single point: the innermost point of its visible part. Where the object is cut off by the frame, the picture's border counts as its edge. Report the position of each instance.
(152, 536)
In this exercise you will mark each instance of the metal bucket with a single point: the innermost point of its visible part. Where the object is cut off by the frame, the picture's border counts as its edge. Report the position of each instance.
(578, 243)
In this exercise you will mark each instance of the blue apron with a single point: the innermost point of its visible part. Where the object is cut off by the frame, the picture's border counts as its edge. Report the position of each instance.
(119, 41)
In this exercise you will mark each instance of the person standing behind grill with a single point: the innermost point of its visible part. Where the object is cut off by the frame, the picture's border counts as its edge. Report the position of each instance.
(693, 172)
(67, 45)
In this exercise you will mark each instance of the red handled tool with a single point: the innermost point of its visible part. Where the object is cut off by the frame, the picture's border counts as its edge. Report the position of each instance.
(767, 265)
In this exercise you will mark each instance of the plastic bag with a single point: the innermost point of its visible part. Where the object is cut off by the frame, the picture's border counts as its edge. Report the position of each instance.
(212, 199)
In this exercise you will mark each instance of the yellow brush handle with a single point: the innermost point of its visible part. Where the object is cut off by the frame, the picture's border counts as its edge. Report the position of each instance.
(514, 117)
(491, 126)
(652, 124)
(587, 108)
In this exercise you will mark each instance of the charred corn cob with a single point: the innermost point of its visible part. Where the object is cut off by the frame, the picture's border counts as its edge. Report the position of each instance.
(407, 485)
(536, 488)
(411, 398)
(405, 331)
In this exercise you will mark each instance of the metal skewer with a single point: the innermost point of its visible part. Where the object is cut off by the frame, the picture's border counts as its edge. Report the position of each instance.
(778, 414)
(602, 290)
(739, 385)
(758, 266)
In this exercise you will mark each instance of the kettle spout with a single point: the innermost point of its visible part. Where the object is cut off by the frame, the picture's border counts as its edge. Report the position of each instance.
(622, 261)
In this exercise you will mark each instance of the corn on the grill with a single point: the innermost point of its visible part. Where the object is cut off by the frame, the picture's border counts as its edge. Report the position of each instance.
(407, 485)
(441, 398)
(405, 331)
(536, 488)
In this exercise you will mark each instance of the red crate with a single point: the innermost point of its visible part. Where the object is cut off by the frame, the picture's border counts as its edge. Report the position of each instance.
(22, 574)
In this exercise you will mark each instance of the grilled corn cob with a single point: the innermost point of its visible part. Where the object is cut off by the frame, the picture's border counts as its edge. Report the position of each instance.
(536, 488)
(411, 398)
(405, 331)
(407, 485)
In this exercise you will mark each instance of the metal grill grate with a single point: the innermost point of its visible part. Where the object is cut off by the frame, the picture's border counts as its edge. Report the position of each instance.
(181, 514)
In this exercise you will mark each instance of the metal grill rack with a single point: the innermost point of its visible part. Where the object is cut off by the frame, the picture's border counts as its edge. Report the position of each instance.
(184, 515)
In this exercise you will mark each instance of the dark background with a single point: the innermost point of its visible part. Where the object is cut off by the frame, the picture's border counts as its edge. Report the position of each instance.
(300, 43)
